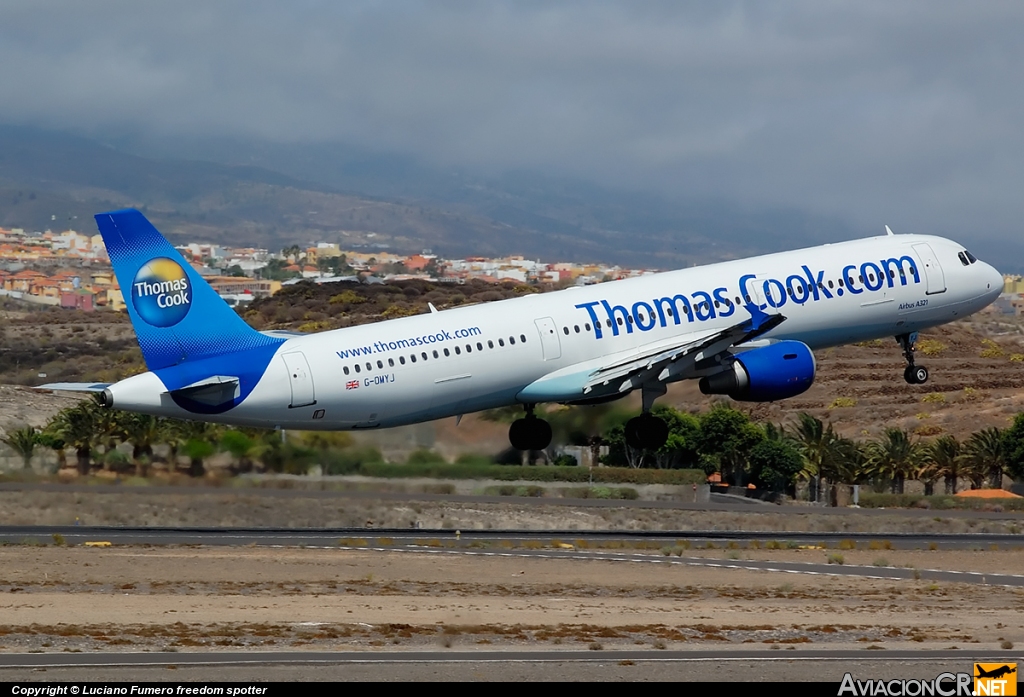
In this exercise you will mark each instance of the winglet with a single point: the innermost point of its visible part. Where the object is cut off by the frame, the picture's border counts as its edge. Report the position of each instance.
(888, 231)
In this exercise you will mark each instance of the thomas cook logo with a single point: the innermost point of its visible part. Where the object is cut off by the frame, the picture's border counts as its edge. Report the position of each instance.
(161, 292)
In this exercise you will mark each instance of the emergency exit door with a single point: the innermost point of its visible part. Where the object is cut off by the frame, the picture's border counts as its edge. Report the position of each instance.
(300, 378)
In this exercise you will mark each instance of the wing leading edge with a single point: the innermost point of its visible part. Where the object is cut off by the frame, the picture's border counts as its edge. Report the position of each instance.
(658, 364)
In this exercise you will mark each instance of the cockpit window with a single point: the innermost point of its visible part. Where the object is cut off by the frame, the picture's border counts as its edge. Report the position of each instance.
(963, 259)
(970, 257)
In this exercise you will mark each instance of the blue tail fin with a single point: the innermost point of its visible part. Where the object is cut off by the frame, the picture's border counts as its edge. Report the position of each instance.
(177, 316)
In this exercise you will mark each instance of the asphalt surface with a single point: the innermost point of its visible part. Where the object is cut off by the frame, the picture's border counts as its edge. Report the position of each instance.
(74, 534)
(722, 666)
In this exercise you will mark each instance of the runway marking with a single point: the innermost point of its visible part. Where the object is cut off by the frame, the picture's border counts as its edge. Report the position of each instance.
(845, 571)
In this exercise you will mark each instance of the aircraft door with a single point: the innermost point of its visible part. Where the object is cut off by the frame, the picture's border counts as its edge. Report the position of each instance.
(934, 278)
(300, 378)
(549, 338)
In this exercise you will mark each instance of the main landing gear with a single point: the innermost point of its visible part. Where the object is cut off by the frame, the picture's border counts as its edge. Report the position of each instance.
(913, 374)
(529, 433)
(647, 431)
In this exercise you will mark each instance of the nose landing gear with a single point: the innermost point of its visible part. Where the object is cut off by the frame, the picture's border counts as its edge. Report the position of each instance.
(914, 374)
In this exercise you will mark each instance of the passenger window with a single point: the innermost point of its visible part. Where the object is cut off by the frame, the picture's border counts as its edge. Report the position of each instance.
(522, 338)
(380, 364)
(391, 362)
(501, 342)
(369, 366)
(490, 344)
(830, 284)
(511, 341)
(446, 352)
(469, 348)
(670, 312)
(566, 330)
(479, 346)
(577, 328)
(629, 319)
(458, 352)
(357, 368)
(401, 359)
(412, 358)
(345, 369)
(587, 325)
(424, 355)
(435, 354)
(619, 320)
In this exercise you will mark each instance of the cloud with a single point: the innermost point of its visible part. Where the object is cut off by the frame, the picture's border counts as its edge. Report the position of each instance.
(905, 113)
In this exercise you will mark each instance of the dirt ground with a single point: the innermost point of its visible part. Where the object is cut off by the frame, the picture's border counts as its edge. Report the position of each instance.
(270, 508)
(133, 599)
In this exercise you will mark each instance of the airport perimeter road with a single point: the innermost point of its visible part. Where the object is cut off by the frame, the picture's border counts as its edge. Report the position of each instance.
(732, 504)
(722, 666)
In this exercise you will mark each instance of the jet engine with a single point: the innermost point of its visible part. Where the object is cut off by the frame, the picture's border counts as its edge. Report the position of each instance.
(777, 371)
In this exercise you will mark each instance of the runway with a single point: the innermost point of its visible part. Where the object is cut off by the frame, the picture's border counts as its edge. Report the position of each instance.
(75, 534)
(724, 666)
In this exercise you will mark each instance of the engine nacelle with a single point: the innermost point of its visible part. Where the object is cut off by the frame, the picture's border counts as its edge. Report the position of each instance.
(777, 371)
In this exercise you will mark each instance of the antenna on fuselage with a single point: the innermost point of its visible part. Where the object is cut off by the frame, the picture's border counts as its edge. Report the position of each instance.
(888, 231)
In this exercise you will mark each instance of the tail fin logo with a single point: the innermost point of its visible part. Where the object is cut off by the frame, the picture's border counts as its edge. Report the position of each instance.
(161, 292)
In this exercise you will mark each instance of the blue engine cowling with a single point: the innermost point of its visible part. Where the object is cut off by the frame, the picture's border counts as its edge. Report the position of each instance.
(777, 371)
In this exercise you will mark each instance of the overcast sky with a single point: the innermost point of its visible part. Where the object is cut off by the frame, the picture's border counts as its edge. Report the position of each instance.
(904, 113)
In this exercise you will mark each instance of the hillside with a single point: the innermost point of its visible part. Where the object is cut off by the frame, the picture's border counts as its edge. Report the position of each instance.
(50, 180)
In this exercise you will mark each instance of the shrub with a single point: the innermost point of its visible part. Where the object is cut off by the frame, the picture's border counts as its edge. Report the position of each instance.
(934, 398)
(842, 402)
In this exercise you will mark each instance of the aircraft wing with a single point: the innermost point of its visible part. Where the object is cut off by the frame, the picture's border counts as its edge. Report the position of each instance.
(656, 364)
(656, 360)
(74, 386)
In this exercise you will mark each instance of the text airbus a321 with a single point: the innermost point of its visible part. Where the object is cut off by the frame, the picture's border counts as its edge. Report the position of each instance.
(746, 329)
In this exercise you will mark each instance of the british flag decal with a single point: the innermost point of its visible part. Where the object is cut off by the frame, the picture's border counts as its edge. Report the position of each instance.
(351, 384)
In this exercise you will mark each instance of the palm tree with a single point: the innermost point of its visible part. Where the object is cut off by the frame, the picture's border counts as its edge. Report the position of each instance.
(946, 455)
(894, 456)
(76, 426)
(829, 456)
(984, 453)
(23, 441)
(143, 431)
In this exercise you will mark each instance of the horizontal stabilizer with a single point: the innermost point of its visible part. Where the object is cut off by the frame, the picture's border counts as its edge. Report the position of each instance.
(212, 391)
(74, 386)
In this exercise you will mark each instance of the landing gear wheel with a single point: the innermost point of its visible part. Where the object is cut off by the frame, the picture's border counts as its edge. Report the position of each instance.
(914, 374)
(529, 433)
(646, 432)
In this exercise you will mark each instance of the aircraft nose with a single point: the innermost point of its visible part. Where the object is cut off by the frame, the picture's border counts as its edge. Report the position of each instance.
(993, 280)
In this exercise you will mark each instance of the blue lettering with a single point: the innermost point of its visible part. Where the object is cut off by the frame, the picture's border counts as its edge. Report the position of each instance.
(589, 307)
(676, 306)
(849, 281)
(816, 284)
(703, 310)
(768, 293)
(623, 318)
(797, 286)
(747, 297)
(888, 264)
(722, 296)
(872, 281)
(644, 320)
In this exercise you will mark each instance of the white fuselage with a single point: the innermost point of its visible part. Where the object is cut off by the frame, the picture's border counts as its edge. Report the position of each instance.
(482, 356)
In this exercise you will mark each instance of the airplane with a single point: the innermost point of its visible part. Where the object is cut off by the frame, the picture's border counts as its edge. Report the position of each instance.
(995, 672)
(746, 329)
